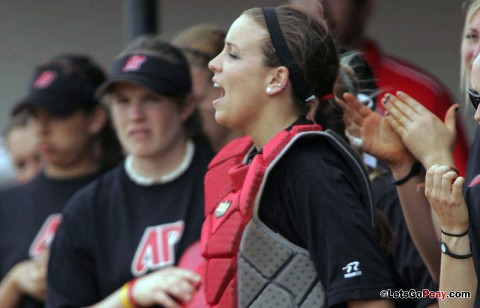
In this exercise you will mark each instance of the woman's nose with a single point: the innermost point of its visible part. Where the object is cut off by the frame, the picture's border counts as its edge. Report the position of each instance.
(214, 64)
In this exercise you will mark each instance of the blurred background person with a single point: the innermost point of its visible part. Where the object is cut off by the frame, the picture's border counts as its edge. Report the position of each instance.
(70, 126)
(126, 232)
(22, 146)
(469, 50)
(201, 43)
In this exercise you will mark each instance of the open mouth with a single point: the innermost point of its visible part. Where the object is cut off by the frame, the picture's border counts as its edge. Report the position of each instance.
(222, 91)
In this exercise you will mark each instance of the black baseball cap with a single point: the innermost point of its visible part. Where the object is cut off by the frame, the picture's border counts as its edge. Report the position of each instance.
(157, 74)
(60, 93)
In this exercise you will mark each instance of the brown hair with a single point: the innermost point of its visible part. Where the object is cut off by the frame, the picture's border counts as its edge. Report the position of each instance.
(312, 49)
(315, 55)
(200, 43)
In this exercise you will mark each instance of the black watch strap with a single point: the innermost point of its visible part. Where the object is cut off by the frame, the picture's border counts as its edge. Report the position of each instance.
(414, 170)
(445, 250)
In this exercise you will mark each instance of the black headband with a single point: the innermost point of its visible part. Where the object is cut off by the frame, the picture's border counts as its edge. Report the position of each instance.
(284, 54)
(153, 72)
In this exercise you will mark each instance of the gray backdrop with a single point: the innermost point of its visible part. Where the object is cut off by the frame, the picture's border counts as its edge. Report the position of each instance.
(427, 32)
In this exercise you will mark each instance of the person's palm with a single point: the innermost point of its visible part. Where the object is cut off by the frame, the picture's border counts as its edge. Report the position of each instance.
(377, 135)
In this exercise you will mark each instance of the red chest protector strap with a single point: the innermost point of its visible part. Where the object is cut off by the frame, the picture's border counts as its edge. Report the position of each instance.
(231, 190)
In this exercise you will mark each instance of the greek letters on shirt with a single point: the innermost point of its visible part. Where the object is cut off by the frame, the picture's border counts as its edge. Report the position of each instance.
(45, 236)
(156, 248)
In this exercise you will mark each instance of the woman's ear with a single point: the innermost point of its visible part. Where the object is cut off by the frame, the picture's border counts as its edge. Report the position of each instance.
(188, 107)
(98, 117)
(277, 81)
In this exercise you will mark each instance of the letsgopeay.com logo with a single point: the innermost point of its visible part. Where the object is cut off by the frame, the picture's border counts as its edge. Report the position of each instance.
(352, 269)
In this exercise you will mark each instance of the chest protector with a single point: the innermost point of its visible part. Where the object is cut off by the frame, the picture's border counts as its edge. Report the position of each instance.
(231, 200)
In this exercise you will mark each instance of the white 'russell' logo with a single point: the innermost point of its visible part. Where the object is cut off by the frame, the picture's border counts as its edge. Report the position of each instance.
(352, 269)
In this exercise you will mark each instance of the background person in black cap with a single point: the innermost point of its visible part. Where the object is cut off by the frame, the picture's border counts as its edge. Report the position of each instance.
(122, 236)
(69, 122)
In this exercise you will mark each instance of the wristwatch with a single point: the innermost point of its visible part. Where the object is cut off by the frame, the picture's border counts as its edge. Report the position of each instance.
(445, 250)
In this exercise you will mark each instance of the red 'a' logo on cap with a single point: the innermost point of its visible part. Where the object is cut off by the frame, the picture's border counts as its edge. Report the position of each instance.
(44, 80)
(134, 63)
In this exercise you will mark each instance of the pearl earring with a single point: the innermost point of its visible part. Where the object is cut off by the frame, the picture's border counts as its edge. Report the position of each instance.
(268, 89)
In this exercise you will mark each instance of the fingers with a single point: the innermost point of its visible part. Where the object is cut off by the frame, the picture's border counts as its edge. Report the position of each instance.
(413, 104)
(404, 109)
(350, 126)
(181, 290)
(443, 182)
(168, 287)
(358, 107)
(30, 280)
(450, 118)
(446, 198)
(394, 122)
(354, 110)
(457, 187)
(437, 178)
(433, 181)
(188, 274)
(398, 108)
(162, 298)
(447, 180)
(400, 114)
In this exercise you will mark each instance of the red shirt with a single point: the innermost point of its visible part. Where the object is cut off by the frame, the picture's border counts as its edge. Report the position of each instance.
(393, 74)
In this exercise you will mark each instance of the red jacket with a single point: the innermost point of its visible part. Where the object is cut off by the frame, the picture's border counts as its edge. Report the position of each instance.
(393, 74)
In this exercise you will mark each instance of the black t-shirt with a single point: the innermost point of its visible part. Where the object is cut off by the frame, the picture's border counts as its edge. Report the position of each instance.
(312, 198)
(29, 215)
(472, 198)
(114, 230)
(473, 165)
(409, 270)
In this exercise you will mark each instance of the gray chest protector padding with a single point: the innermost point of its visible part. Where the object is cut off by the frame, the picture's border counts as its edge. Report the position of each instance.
(273, 272)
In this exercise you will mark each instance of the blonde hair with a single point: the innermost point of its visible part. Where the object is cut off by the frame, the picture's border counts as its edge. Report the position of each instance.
(471, 8)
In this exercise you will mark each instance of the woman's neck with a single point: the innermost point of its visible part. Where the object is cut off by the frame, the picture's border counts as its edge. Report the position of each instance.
(148, 170)
(81, 168)
(269, 127)
(222, 140)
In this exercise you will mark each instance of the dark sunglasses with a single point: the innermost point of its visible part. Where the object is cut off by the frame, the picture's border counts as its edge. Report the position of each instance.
(474, 97)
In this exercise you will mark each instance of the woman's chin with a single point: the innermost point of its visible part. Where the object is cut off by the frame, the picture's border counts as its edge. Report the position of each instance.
(222, 119)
